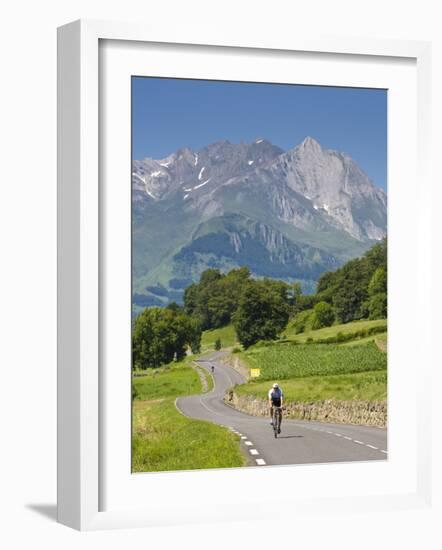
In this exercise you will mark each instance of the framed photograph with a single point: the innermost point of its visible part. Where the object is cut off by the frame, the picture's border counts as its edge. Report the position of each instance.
(225, 283)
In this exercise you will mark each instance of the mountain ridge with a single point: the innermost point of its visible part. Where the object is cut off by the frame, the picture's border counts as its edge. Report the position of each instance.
(316, 203)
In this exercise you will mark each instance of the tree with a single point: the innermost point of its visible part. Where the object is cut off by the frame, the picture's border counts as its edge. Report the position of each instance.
(324, 315)
(347, 288)
(377, 306)
(161, 334)
(173, 306)
(218, 344)
(377, 291)
(194, 332)
(215, 298)
(378, 282)
(262, 312)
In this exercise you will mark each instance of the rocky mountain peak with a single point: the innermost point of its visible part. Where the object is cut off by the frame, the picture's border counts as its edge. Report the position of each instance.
(290, 215)
(311, 144)
(308, 186)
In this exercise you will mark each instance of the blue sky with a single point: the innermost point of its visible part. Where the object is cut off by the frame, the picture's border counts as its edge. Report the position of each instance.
(170, 113)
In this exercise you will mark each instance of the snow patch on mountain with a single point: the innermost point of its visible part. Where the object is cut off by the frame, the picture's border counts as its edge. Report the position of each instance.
(201, 184)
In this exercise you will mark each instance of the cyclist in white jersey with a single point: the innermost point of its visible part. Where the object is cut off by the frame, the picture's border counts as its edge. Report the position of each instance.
(276, 397)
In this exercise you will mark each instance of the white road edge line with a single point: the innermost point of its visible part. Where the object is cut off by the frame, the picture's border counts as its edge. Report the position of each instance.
(349, 438)
(382, 451)
(260, 462)
(254, 452)
(359, 442)
(243, 437)
(339, 435)
(248, 443)
(372, 447)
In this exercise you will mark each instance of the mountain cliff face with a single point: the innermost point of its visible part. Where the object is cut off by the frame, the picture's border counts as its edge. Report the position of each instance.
(290, 215)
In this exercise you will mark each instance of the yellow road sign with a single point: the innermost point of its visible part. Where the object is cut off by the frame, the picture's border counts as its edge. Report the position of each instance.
(254, 373)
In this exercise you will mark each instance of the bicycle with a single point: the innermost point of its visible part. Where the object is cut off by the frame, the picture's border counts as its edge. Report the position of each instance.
(276, 420)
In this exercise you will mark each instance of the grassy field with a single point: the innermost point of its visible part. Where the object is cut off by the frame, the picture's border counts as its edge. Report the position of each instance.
(169, 381)
(379, 339)
(226, 334)
(163, 439)
(366, 386)
(333, 331)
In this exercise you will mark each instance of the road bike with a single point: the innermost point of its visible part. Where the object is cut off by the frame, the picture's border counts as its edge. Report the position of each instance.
(276, 420)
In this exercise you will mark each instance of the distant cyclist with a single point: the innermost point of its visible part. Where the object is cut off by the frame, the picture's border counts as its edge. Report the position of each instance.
(276, 398)
(213, 369)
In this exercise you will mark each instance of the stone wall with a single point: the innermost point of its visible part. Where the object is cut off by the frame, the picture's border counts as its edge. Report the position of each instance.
(345, 412)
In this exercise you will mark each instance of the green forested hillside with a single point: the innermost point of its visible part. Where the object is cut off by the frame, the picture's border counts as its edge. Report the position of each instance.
(264, 310)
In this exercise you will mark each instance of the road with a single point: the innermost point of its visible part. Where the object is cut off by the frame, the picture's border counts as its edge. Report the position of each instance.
(300, 442)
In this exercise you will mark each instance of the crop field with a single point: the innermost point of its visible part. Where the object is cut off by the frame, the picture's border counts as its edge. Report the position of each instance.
(283, 361)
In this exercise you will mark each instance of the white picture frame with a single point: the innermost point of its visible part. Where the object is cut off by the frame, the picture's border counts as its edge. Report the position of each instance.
(80, 294)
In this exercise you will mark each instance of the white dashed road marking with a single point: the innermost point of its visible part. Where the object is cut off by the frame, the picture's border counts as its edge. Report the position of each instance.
(254, 452)
(243, 437)
(350, 439)
(382, 451)
(260, 462)
(249, 443)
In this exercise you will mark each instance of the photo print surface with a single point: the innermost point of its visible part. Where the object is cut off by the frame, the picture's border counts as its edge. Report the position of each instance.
(259, 274)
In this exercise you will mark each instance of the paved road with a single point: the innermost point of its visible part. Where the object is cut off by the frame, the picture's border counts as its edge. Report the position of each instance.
(300, 442)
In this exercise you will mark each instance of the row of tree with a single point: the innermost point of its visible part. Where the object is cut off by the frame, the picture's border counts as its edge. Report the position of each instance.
(358, 290)
(260, 308)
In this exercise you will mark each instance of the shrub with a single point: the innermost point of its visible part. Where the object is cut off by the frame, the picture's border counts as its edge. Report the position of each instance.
(323, 315)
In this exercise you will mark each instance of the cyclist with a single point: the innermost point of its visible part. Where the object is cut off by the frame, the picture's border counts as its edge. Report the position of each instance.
(213, 369)
(276, 397)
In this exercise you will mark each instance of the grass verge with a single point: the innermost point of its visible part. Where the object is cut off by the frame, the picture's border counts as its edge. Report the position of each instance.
(165, 440)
